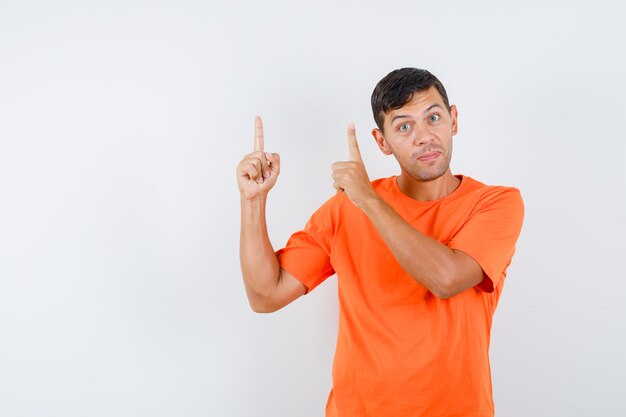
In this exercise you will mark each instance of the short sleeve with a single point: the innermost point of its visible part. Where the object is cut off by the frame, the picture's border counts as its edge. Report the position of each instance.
(306, 255)
(490, 234)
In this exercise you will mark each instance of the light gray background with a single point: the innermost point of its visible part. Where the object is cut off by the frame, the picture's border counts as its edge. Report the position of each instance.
(122, 122)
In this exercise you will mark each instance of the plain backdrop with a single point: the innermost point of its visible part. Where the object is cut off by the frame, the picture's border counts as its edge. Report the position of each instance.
(122, 122)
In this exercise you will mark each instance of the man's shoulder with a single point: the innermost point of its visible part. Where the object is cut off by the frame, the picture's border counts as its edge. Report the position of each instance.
(487, 193)
(474, 185)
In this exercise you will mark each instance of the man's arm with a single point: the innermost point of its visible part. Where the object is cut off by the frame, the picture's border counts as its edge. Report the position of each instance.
(443, 271)
(268, 287)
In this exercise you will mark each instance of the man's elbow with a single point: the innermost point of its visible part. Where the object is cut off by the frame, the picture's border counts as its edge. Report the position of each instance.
(263, 304)
(272, 297)
(443, 294)
(263, 307)
(446, 287)
(261, 299)
(452, 285)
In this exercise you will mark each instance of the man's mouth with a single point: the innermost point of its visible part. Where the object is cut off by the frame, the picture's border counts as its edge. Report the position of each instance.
(429, 156)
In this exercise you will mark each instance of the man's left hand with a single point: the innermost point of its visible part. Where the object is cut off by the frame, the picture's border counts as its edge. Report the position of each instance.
(350, 176)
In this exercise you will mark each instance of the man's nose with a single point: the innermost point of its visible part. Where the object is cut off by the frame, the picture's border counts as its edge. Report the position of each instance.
(423, 136)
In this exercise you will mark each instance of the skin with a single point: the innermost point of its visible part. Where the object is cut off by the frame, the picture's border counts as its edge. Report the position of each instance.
(268, 286)
(419, 135)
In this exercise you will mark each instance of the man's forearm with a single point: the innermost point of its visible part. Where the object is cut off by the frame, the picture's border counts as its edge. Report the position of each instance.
(259, 265)
(427, 261)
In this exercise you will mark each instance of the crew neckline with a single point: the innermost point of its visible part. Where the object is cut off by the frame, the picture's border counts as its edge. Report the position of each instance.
(396, 190)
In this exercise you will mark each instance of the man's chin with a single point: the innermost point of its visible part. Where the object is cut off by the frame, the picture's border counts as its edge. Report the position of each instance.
(426, 176)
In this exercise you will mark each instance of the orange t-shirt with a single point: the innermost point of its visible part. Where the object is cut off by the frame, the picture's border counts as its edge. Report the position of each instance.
(401, 351)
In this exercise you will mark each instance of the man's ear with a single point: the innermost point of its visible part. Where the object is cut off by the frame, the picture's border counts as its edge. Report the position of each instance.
(455, 119)
(381, 141)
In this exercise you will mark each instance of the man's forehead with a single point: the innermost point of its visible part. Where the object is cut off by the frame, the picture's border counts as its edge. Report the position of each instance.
(421, 101)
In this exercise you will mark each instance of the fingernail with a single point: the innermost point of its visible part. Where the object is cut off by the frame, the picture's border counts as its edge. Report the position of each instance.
(266, 174)
(260, 180)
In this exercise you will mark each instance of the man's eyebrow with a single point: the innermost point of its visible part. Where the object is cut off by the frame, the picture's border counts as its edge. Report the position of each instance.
(406, 116)
(399, 116)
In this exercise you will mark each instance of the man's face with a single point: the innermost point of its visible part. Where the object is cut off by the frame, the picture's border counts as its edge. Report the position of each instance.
(419, 135)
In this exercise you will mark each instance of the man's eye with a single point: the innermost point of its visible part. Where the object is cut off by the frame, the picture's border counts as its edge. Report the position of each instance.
(434, 118)
(404, 127)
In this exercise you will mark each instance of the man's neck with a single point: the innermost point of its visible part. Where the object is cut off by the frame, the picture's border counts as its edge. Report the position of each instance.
(428, 190)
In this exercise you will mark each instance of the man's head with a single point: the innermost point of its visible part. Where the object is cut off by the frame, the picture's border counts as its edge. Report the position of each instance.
(415, 122)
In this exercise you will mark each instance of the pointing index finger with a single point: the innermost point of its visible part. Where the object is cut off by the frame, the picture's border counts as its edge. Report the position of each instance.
(259, 141)
(353, 146)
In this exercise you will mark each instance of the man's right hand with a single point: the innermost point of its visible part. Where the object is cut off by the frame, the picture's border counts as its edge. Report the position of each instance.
(258, 171)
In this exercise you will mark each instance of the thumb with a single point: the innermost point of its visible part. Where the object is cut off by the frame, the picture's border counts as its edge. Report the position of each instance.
(354, 153)
(274, 160)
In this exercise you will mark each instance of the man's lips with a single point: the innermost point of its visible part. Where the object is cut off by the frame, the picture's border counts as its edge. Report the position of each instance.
(429, 156)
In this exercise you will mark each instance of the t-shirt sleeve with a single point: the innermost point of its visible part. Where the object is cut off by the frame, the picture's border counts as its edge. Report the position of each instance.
(490, 234)
(306, 255)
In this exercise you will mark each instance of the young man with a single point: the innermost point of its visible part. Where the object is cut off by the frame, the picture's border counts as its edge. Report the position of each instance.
(420, 260)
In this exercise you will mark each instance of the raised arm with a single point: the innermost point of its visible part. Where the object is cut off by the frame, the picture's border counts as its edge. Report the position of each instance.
(268, 287)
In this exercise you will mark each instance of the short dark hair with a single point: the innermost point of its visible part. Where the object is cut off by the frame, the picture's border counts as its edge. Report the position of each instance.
(397, 88)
